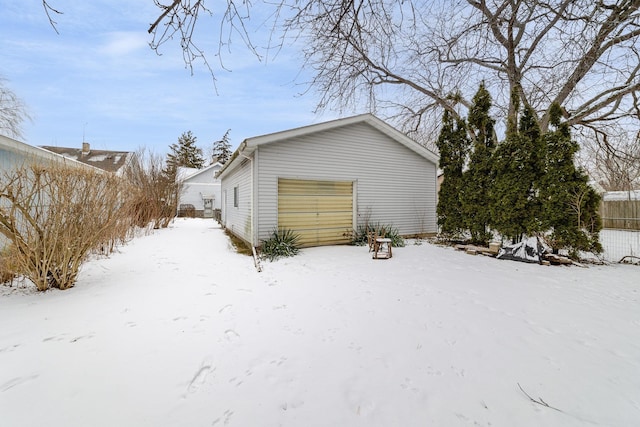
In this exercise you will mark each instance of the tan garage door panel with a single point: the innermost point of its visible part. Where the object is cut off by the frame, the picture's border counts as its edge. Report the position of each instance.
(320, 212)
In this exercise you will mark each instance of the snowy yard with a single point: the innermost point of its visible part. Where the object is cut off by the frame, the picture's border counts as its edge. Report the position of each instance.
(178, 330)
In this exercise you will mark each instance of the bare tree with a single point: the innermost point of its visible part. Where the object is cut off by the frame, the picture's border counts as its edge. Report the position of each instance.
(616, 167)
(12, 112)
(178, 20)
(410, 60)
(417, 58)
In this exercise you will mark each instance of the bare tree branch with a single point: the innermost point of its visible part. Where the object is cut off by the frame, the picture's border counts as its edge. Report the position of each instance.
(414, 59)
(49, 10)
(12, 112)
(539, 401)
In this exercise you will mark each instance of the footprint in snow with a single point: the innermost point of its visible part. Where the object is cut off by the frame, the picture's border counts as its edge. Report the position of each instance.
(200, 377)
(17, 381)
(12, 347)
(231, 335)
(224, 308)
(81, 337)
(226, 417)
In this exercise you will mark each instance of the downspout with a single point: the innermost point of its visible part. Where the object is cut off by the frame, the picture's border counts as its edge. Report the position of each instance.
(253, 217)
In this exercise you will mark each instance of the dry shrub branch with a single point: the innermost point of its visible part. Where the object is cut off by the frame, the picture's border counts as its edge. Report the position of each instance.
(54, 216)
(155, 192)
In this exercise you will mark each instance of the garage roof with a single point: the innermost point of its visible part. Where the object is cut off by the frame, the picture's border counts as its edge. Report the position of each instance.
(249, 145)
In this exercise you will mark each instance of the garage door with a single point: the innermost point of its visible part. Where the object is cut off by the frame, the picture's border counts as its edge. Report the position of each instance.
(320, 212)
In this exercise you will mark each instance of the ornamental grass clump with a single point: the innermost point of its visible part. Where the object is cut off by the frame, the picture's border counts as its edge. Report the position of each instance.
(282, 243)
(359, 237)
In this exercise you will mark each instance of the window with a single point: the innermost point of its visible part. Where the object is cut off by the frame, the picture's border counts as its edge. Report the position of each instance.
(235, 197)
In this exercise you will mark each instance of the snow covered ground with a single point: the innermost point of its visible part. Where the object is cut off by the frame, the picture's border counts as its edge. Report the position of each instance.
(178, 330)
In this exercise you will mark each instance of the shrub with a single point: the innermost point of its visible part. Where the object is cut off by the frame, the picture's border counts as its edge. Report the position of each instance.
(282, 243)
(7, 270)
(360, 235)
(54, 216)
(155, 192)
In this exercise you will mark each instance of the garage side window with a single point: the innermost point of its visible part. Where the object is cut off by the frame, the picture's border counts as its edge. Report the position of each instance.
(235, 197)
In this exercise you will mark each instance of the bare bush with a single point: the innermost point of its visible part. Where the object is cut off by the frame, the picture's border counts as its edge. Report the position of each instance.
(155, 193)
(55, 215)
(7, 269)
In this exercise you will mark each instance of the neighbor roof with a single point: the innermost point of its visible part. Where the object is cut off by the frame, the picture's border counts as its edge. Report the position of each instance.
(249, 145)
(110, 161)
(185, 173)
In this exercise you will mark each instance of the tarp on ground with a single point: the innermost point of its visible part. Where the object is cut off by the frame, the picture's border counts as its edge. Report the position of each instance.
(528, 250)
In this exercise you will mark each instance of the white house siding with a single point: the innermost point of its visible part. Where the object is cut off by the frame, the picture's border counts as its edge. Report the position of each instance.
(201, 184)
(15, 154)
(9, 160)
(194, 191)
(393, 184)
(238, 219)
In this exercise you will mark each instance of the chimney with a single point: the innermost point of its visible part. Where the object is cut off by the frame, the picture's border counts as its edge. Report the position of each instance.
(86, 148)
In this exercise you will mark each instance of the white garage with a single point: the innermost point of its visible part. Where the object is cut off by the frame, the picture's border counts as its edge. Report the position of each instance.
(325, 180)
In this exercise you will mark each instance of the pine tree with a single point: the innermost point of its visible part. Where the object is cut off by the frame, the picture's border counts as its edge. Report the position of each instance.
(514, 203)
(185, 153)
(569, 204)
(221, 149)
(453, 146)
(477, 178)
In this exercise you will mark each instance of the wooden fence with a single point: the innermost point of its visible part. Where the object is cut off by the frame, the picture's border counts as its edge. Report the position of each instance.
(620, 214)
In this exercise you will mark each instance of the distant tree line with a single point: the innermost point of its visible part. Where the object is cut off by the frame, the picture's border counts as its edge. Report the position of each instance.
(526, 185)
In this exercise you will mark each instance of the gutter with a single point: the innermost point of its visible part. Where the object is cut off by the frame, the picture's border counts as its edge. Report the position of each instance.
(253, 206)
(233, 158)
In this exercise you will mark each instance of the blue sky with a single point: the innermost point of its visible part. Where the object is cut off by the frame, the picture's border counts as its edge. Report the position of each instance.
(99, 78)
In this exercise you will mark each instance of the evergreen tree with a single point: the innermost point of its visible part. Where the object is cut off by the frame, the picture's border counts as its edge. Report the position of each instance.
(514, 203)
(221, 149)
(569, 204)
(185, 153)
(477, 178)
(453, 146)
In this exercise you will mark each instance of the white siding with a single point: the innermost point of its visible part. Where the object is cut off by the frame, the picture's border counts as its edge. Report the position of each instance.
(394, 185)
(9, 160)
(238, 219)
(15, 154)
(199, 185)
(193, 193)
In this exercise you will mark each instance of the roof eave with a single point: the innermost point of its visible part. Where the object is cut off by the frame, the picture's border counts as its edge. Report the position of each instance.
(235, 159)
(249, 145)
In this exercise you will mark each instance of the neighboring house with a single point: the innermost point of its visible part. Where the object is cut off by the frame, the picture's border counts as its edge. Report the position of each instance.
(110, 161)
(201, 189)
(323, 181)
